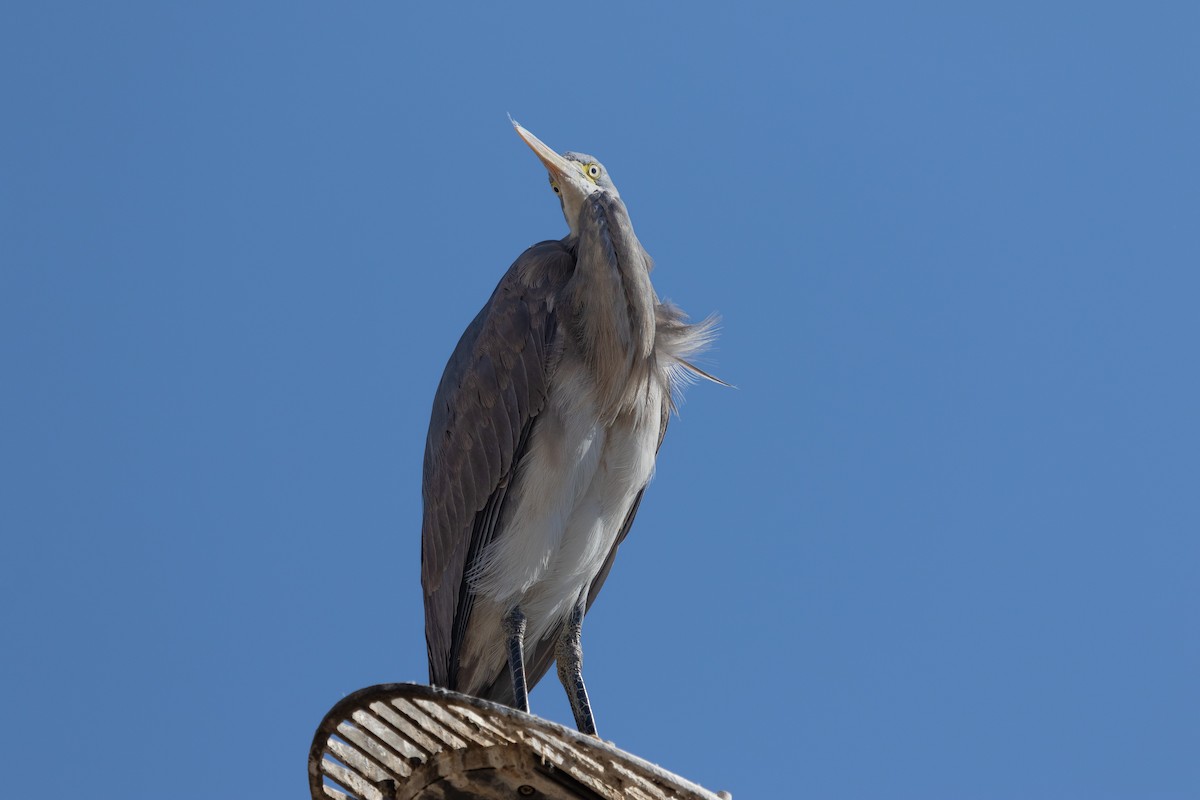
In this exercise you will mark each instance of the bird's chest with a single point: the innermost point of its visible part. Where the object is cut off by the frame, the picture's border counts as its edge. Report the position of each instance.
(605, 450)
(577, 481)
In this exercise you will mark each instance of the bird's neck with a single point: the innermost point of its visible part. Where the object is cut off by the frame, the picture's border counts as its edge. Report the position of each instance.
(611, 300)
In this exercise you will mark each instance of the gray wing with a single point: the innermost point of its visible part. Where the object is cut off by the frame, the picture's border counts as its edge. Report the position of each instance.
(492, 390)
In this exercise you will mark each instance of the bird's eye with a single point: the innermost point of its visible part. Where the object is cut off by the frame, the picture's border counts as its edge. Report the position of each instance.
(554, 186)
(593, 170)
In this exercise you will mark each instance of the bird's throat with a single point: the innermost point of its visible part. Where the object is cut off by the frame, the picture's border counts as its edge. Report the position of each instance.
(612, 301)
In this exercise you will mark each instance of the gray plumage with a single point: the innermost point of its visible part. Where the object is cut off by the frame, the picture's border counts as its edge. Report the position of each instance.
(542, 439)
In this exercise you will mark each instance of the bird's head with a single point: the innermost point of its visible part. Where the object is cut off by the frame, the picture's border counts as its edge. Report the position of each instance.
(573, 176)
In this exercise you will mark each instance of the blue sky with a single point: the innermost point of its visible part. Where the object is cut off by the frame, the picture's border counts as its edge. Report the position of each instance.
(941, 541)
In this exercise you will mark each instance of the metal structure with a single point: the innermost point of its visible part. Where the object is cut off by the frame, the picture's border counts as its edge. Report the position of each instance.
(543, 437)
(403, 741)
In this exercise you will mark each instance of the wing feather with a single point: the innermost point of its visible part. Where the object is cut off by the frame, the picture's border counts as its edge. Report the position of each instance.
(494, 386)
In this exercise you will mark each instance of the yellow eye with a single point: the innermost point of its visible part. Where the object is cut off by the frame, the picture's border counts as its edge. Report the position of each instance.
(592, 170)
(554, 186)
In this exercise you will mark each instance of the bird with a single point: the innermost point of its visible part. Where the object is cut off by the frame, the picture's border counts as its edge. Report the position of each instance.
(542, 439)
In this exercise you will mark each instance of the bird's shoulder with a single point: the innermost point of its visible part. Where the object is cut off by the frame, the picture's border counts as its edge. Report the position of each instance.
(545, 265)
(521, 302)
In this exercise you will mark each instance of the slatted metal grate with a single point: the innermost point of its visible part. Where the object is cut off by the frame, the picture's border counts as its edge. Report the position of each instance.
(404, 741)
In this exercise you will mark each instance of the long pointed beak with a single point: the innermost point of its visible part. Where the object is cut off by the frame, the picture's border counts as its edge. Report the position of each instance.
(561, 170)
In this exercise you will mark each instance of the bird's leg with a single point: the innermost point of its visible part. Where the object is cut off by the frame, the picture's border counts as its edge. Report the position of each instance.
(568, 652)
(514, 630)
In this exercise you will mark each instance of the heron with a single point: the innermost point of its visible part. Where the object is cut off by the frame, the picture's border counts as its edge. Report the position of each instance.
(543, 437)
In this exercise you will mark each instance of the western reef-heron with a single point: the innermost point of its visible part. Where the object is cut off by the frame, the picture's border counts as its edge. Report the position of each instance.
(543, 437)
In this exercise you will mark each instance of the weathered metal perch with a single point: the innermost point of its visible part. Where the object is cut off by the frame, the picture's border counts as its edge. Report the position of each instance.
(405, 741)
